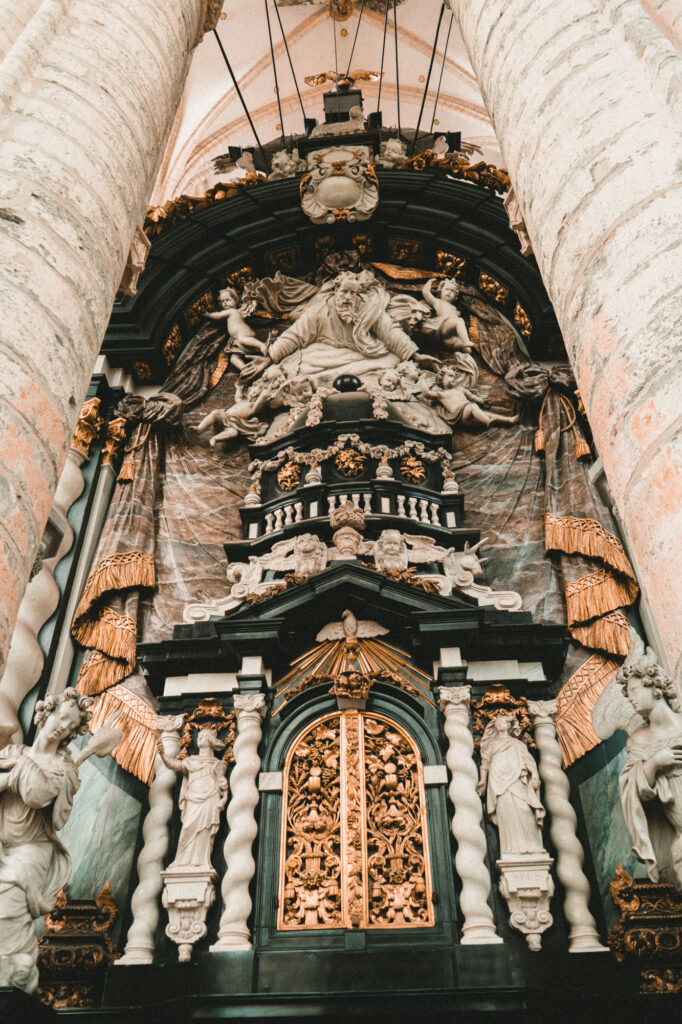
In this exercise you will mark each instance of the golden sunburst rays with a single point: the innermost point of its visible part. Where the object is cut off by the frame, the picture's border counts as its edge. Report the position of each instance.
(368, 656)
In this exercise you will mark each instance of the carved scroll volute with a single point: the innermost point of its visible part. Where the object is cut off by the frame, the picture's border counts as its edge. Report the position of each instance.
(87, 428)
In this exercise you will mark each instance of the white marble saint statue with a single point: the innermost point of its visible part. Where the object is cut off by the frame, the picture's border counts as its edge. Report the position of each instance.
(651, 780)
(511, 784)
(203, 795)
(37, 788)
(345, 329)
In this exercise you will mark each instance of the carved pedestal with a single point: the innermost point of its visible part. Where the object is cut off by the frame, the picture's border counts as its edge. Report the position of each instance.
(527, 886)
(649, 933)
(75, 951)
(187, 895)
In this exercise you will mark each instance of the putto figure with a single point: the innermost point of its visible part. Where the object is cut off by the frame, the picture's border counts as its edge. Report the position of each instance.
(651, 781)
(448, 322)
(37, 789)
(241, 339)
(459, 404)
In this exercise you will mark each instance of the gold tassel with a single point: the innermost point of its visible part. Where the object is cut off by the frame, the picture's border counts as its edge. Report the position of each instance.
(110, 633)
(610, 633)
(98, 672)
(539, 441)
(136, 752)
(122, 571)
(576, 701)
(597, 594)
(582, 448)
(127, 471)
(574, 536)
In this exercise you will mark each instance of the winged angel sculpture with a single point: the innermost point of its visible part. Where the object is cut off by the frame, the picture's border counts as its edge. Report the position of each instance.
(643, 702)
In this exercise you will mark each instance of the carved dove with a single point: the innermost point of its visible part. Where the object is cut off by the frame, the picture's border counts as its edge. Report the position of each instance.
(349, 628)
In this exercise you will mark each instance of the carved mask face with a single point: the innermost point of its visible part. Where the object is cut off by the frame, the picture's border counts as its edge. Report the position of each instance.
(347, 542)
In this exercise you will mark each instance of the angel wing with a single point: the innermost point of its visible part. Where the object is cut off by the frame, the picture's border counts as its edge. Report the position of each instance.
(424, 549)
(280, 557)
(614, 711)
(367, 627)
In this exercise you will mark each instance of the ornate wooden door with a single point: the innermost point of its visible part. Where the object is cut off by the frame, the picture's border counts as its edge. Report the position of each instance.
(354, 838)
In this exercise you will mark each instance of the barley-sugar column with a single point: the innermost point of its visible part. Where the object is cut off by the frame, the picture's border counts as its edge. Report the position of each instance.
(586, 101)
(81, 138)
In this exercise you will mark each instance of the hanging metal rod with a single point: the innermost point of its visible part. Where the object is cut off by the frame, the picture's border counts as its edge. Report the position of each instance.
(355, 37)
(291, 64)
(397, 73)
(274, 71)
(442, 69)
(241, 100)
(428, 79)
(383, 51)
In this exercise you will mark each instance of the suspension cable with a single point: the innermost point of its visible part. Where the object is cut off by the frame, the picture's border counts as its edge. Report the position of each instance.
(291, 64)
(274, 71)
(355, 38)
(442, 69)
(241, 100)
(397, 74)
(428, 79)
(383, 51)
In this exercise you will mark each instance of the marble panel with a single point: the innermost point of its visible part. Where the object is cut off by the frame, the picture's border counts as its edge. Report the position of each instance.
(606, 830)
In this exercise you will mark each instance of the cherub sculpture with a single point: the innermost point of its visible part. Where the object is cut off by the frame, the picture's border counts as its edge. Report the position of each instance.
(241, 416)
(447, 323)
(651, 781)
(241, 339)
(461, 405)
(305, 555)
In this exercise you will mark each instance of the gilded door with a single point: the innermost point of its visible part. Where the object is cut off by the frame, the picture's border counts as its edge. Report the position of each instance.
(354, 837)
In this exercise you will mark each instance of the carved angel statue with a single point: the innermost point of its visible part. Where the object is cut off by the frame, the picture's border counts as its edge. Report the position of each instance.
(651, 780)
(305, 554)
(357, 75)
(350, 628)
(459, 404)
(448, 324)
(241, 339)
(394, 550)
(241, 417)
(511, 784)
(202, 797)
(37, 789)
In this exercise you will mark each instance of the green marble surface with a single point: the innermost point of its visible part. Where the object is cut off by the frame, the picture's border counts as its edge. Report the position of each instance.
(608, 836)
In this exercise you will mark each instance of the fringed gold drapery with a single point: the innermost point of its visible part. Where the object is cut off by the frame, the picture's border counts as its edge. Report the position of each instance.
(576, 701)
(137, 721)
(574, 536)
(116, 572)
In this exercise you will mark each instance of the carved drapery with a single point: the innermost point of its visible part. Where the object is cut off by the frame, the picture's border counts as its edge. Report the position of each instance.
(354, 835)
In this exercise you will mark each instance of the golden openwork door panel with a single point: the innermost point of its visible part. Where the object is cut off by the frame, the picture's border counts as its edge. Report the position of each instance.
(354, 838)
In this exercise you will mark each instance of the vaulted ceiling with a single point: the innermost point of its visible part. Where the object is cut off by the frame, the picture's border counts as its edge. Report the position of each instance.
(211, 117)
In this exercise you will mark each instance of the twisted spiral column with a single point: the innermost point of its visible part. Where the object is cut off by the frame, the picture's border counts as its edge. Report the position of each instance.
(233, 933)
(478, 927)
(583, 934)
(155, 834)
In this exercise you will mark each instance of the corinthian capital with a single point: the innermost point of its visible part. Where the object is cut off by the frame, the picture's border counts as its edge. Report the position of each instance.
(454, 698)
(250, 703)
(543, 711)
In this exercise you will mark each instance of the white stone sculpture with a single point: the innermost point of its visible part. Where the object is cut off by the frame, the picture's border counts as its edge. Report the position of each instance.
(241, 417)
(511, 784)
(135, 264)
(144, 904)
(344, 329)
(458, 404)
(233, 933)
(651, 780)
(517, 221)
(392, 152)
(447, 323)
(463, 568)
(467, 828)
(349, 628)
(583, 936)
(189, 880)
(285, 165)
(37, 788)
(390, 550)
(305, 554)
(241, 339)
(340, 182)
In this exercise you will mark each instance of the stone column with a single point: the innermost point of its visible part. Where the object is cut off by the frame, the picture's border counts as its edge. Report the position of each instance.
(478, 927)
(14, 17)
(233, 933)
(586, 106)
(145, 902)
(80, 147)
(583, 934)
